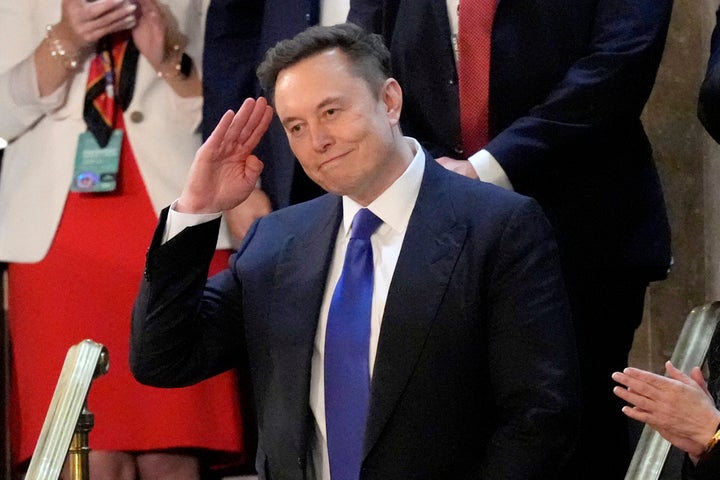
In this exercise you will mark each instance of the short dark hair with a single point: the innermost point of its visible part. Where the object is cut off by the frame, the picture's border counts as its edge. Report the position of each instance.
(367, 53)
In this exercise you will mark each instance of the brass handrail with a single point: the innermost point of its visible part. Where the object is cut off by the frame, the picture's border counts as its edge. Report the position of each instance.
(68, 422)
(690, 351)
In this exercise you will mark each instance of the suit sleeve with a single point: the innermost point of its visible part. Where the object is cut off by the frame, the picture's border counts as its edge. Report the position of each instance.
(185, 327)
(532, 354)
(230, 56)
(709, 99)
(606, 87)
(707, 468)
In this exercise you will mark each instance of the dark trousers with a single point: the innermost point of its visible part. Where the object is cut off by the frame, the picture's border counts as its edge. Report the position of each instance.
(607, 308)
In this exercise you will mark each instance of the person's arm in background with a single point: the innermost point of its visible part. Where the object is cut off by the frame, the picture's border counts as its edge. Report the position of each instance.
(160, 40)
(606, 87)
(231, 54)
(35, 77)
(709, 99)
(608, 82)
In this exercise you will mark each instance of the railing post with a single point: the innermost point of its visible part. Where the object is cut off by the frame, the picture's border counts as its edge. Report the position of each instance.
(80, 446)
(68, 422)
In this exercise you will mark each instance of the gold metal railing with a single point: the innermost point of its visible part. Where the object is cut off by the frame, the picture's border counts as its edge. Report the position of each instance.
(65, 432)
(690, 351)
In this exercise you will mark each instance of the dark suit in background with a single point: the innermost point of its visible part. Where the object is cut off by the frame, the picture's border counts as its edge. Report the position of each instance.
(709, 101)
(237, 35)
(568, 82)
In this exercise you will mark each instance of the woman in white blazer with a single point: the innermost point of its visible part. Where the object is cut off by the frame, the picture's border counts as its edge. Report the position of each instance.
(76, 257)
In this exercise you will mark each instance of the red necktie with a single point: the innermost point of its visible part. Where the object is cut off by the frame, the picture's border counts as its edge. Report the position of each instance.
(111, 82)
(475, 19)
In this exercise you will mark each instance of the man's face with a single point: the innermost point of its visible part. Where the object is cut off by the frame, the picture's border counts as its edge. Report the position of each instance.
(344, 135)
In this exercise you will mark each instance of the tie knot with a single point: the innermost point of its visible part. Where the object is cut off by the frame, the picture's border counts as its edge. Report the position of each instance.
(364, 224)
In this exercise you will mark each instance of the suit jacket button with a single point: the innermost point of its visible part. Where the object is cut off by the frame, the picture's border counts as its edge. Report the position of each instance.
(136, 117)
(458, 149)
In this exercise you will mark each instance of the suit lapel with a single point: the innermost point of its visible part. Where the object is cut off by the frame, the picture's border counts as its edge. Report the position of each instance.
(302, 270)
(295, 302)
(440, 14)
(430, 249)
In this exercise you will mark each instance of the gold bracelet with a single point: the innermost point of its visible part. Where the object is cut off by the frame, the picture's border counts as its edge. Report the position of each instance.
(58, 52)
(713, 441)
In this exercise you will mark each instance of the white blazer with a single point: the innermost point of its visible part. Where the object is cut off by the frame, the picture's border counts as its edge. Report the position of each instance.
(37, 165)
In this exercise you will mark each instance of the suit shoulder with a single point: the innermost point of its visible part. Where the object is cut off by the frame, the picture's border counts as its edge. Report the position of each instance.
(487, 193)
(303, 214)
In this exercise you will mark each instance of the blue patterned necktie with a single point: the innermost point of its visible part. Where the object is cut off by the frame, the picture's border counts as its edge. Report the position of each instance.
(347, 344)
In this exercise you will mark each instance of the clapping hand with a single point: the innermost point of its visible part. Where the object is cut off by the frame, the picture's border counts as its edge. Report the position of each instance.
(83, 23)
(157, 34)
(678, 406)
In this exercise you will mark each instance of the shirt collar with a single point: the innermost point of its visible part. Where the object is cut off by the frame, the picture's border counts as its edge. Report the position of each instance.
(396, 203)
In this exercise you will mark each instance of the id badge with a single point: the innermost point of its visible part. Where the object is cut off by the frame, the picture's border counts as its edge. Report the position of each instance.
(96, 168)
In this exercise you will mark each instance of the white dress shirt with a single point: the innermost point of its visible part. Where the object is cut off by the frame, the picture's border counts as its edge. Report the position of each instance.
(393, 207)
(333, 12)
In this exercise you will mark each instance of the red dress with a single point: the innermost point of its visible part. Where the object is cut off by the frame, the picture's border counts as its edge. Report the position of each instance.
(85, 288)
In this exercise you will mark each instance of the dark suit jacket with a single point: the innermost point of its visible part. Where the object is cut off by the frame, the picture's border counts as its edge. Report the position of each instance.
(475, 374)
(709, 100)
(568, 82)
(237, 35)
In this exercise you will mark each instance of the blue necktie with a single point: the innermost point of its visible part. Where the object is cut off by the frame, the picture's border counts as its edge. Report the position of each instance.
(347, 344)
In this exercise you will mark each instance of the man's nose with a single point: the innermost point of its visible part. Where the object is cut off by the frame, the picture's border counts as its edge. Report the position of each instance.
(321, 138)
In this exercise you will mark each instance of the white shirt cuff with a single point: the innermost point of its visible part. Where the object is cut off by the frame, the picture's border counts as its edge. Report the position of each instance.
(177, 221)
(489, 170)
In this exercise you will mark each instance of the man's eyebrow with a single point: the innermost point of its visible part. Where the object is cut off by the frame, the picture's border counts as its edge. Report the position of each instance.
(324, 103)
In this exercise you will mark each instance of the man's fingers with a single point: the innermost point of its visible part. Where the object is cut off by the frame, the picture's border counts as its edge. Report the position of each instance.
(637, 390)
(239, 133)
(216, 138)
(265, 117)
(253, 122)
(673, 372)
(655, 380)
(241, 120)
(697, 375)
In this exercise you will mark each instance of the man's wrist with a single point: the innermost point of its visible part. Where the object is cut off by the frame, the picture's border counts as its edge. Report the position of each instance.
(177, 221)
(489, 170)
(712, 443)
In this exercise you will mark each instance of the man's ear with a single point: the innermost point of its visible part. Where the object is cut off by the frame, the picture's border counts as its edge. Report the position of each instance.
(392, 97)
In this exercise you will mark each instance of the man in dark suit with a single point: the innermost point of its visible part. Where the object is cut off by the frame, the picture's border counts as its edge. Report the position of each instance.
(568, 81)
(237, 34)
(709, 98)
(471, 353)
